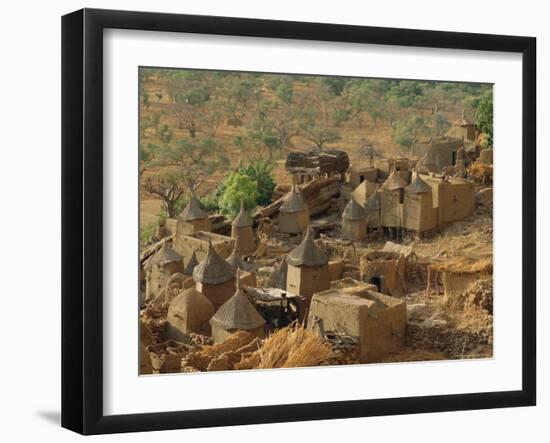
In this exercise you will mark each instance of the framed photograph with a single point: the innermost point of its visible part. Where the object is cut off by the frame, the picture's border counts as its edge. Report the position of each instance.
(269, 221)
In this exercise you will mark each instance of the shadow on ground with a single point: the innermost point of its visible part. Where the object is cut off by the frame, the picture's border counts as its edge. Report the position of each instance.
(54, 417)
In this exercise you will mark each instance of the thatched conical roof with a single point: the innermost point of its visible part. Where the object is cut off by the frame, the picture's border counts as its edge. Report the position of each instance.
(213, 270)
(193, 210)
(307, 253)
(235, 259)
(373, 203)
(242, 219)
(394, 182)
(418, 185)
(363, 191)
(166, 255)
(354, 211)
(294, 201)
(190, 266)
(237, 313)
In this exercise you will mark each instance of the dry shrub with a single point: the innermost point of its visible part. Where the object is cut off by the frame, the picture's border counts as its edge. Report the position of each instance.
(293, 347)
(479, 170)
(202, 359)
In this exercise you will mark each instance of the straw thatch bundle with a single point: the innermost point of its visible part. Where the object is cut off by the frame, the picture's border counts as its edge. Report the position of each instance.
(290, 347)
(201, 360)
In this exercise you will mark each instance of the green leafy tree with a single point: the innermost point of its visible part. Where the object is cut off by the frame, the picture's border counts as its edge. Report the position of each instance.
(264, 137)
(169, 186)
(146, 156)
(195, 159)
(406, 132)
(238, 187)
(240, 92)
(189, 107)
(165, 134)
(484, 118)
(314, 128)
(262, 173)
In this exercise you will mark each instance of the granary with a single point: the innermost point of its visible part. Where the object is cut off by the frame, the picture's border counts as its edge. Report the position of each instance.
(165, 262)
(189, 311)
(363, 191)
(453, 198)
(392, 195)
(307, 166)
(237, 314)
(360, 174)
(419, 214)
(215, 278)
(242, 232)
(198, 244)
(464, 129)
(173, 286)
(356, 309)
(372, 208)
(307, 271)
(436, 153)
(192, 219)
(293, 213)
(386, 270)
(354, 221)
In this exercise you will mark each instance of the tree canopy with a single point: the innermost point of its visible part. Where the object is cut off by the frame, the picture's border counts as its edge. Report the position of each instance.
(264, 116)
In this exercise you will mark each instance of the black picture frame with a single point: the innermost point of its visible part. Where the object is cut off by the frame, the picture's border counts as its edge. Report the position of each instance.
(82, 218)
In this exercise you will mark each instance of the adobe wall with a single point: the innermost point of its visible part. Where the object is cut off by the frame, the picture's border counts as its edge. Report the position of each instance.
(293, 223)
(357, 176)
(160, 275)
(391, 209)
(456, 201)
(418, 212)
(338, 312)
(307, 280)
(377, 320)
(335, 270)
(177, 326)
(383, 332)
(192, 227)
(355, 230)
(390, 273)
(217, 294)
(246, 240)
(198, 243)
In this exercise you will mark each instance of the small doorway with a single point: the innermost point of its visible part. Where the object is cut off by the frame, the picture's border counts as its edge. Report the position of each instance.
(454, 157)
(377, 282)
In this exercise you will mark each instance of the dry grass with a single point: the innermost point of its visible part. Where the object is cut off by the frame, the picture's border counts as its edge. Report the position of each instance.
(465, 265)
(293, 347)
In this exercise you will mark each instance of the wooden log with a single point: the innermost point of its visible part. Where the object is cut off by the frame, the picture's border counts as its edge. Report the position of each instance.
(309, 192)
